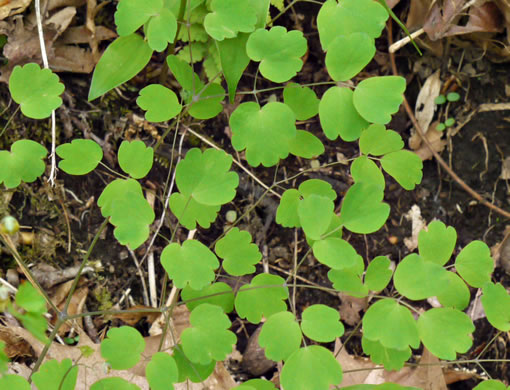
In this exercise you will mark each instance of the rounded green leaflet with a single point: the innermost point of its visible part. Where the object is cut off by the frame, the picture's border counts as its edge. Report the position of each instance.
(496, 304)
(363, 210)
(391, 324)
(279, 52)
(228, 17)
(321, 323)
(315, 213)
(161, 371)
(302, 100)
(208, 338)
(113, 383)
(135, 158)
(337, 254)
(347, 55)
(30, 299)
(118, 65)
(280, 336)
(349, 16)
(79, 157)
(116, 190)
(365, 170)
(286, 213)
(160, 103)
(391, 359)
(316, 187)
(239, 254)
(453, 97)
(446, 332)
(189, 212)
(382, 386)
(339, 117)
(161, 30)
(454, 292)
(306, 145)
(188, 370)
(207, 101)
(436, 244)
(23, 163)
(377, 98)
(219, 294)
(53, 374)
(191, 263)
(206, 177)
(264, 296)
(14, 382)
(491, 384)
(260, 384)
(376, 140)
(378, 273)
(253, 126)
(122, 347)
(348, 281)
(36, 90)
(312, 367)
(132, 14)
(405, 167)
(184, 75)
(3, 359)
(475, 264)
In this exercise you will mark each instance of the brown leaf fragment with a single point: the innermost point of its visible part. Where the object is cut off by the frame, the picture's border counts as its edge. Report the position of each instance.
(136, 313)
(254, 359)
(15, 346)
(12, 7)
(350, 308)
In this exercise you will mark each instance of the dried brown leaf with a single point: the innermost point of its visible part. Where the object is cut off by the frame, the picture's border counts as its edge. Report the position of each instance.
(13, 7)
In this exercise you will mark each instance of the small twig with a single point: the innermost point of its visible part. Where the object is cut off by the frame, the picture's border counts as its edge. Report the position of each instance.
(142, 278)
(404, 41)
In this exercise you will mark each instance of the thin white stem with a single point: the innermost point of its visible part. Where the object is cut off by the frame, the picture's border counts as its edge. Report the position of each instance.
(40, 32)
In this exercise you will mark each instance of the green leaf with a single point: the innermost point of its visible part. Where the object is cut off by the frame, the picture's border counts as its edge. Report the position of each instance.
(286, 214)
(113, 383)
(161, 371)
(191, 263)
(189, 212)
(123, 347)
(453, 97)
(239, 254)
(339, 117)
(206, 177)
(135, 158)
(14, 382)
(441, 99)
(312, 367)
(436, 244)
(56, 376)
(350, 16)
(321, 323)
(229, 17)
(378, 273)
(3, 359)
(207, 103)
(234, 61)
(264, 296)
(391, 324)
(302, 100)
(161, 30)
(279, 52)
(337, 254)
(347, 55)
(208, 338)
(496, 304)
(280, 336)
(219, 294)
(253, 126)
(474, 264)
(184, 75)
(365, 170)
(445, 332)
(454, 292)
(316, 187)
(315, 214)
(377, 98)
(118, 65)
(132, 14)
(160, 103)
(306, 145)
(257, 384)
(23, 163)
(34, 322)
(376, 140)
(405, 167)
(79, 157)
(36, 90)
(348, 281)
(188, 370)
(30, 299)
(363, 210)
(490, 385)
(391, 359)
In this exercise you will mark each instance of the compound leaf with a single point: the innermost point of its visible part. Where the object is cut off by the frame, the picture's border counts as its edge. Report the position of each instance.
(264, 296)
(161, 30)
(208, 338)
(348, 54)
(14, 382)
(230, 17)
(160, 103)
(302, 100)
(378, 273)
(496, 304)
(79, 157)
(189, 212)
(321, 323)
(22, 163)
(474, 264)
(113, 383)
(377, 98)
(192, 262)
(280, 336)
(306, 145)
(253, 126)
(36, 90)
(348, 281)
(279, 52)
(391, 359)
(445, 332)
(405, 167)
(376, 140)
(219, 294)
(161, 371)
(315, 213)
(56, 376)
(195, 372)
(234, 61)
(122, 348)
(239, 254)
(337, 254)
(132, 14)
(135, 158)
(436, 244)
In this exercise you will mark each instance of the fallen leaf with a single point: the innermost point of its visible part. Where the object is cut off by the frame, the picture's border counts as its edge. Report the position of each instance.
(13, 7)
(350, 308)
(436, 140)
(417, 223)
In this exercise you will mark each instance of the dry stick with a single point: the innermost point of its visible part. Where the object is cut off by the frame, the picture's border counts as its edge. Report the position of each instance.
(439, 159)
